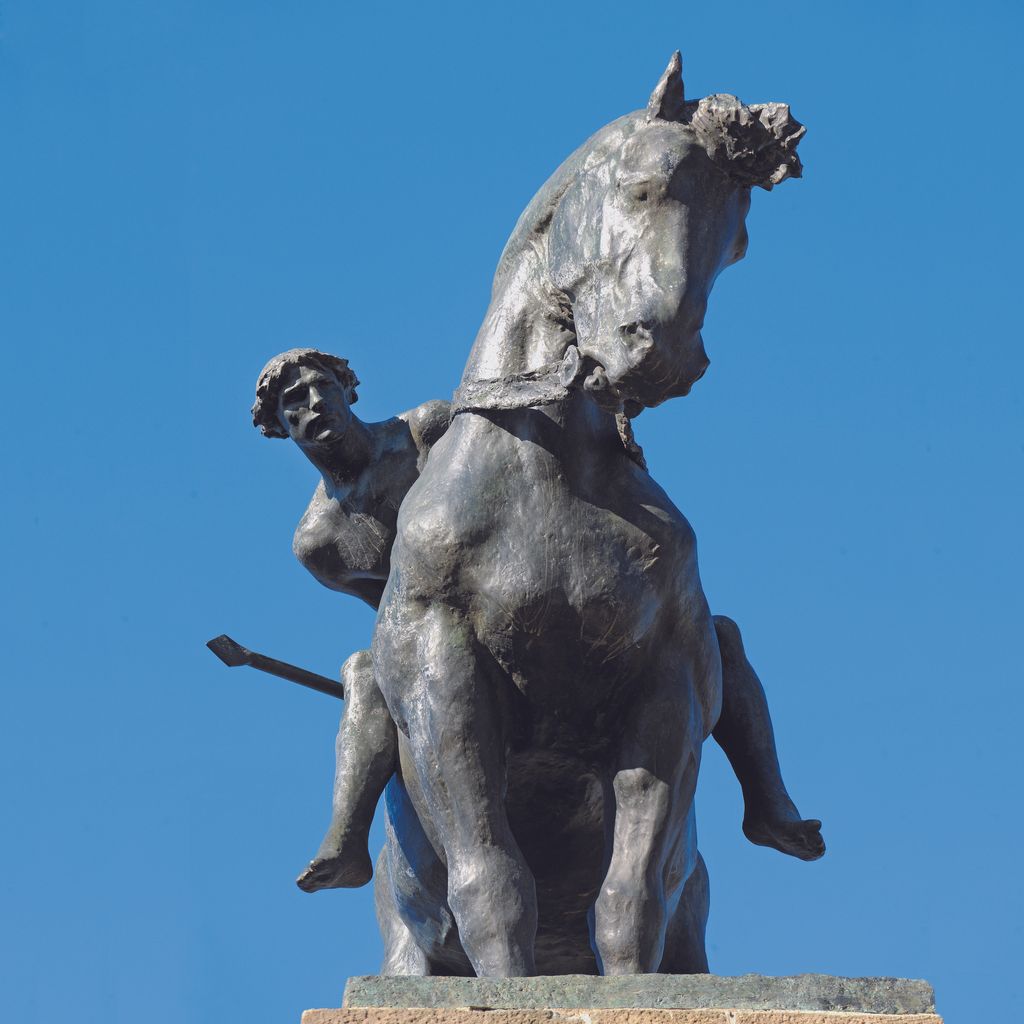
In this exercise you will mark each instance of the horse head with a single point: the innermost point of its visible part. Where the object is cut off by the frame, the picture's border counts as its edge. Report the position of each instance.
(644, 217)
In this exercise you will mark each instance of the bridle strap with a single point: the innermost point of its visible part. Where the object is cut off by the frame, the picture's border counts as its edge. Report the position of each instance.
(543, 386)
(547, 385)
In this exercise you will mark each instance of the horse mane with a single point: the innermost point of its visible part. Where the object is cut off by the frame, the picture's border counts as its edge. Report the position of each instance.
(534, 221)
(752, 145)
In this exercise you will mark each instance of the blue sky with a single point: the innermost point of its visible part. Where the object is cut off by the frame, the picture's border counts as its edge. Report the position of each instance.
(189, 188)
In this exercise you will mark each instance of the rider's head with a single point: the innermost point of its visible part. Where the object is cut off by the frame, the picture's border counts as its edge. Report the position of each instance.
(306, 395)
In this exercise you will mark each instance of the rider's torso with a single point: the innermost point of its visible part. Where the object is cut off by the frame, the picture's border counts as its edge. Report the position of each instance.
(345, 536)
(346, 547)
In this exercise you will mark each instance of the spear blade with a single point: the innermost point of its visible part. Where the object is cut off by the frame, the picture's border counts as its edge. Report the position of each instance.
(233, 654)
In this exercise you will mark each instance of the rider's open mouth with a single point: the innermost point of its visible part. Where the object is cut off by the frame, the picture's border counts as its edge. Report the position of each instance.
(318, 428)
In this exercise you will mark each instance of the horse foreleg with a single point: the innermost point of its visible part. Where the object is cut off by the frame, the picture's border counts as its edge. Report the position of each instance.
(448, 709)
(651, 795)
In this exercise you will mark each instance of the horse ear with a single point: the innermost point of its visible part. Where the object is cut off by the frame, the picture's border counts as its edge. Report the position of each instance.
(667, 101)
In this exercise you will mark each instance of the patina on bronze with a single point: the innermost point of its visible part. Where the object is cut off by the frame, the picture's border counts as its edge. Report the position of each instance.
(545, 667)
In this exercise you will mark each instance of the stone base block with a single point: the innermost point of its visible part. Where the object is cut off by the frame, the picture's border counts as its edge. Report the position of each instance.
(385, 1015)
(640, 999)
(633, 999)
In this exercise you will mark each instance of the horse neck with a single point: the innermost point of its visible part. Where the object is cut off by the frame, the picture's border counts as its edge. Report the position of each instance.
(526, 326)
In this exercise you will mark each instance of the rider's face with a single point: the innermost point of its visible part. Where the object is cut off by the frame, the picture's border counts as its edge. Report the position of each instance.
(312, 406)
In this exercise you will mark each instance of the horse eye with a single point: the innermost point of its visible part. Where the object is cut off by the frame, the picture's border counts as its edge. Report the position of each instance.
(636, 191)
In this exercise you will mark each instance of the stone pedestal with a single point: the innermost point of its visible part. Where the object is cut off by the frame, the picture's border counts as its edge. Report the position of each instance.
(636, 999)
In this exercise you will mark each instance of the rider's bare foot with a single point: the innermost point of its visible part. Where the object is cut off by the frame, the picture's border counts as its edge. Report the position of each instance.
(784, 830)
(337, 866)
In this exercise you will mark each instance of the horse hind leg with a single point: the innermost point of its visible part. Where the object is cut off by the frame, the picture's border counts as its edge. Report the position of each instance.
(685, 944)
(448, 706)
(420, 934)
(406, 952)
(402, 953)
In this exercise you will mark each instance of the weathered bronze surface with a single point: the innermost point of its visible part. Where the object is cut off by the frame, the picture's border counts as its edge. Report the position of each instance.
(545, 668)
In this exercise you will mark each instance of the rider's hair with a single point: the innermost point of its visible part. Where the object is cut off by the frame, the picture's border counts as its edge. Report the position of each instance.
(268, 386)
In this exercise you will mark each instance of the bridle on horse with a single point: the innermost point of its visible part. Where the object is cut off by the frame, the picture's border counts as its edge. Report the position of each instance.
(547, 385)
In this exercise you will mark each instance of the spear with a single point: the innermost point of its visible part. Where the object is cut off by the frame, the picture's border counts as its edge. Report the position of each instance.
(233, 654)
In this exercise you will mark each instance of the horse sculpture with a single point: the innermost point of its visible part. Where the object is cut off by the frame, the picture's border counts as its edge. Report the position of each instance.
(543, 643)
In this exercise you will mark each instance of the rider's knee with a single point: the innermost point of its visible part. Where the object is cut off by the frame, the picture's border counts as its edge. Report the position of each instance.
(357, 672)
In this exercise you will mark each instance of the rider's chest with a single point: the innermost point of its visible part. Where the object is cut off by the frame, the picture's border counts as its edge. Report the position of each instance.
(341, 541)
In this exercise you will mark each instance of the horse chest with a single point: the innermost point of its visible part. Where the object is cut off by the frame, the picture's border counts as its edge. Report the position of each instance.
(593, 579)
(591, 548)
(553, 563)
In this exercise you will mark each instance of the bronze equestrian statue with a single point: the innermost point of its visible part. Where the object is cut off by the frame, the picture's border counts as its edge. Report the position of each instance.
(545, 667)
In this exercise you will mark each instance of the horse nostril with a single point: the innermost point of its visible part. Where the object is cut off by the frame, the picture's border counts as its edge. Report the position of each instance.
(636, 327)
(637, 336)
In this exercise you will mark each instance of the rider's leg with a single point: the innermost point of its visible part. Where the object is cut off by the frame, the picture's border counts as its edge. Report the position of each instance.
(652, 792)
(744, 731)
(431, 671)
(366, 751)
